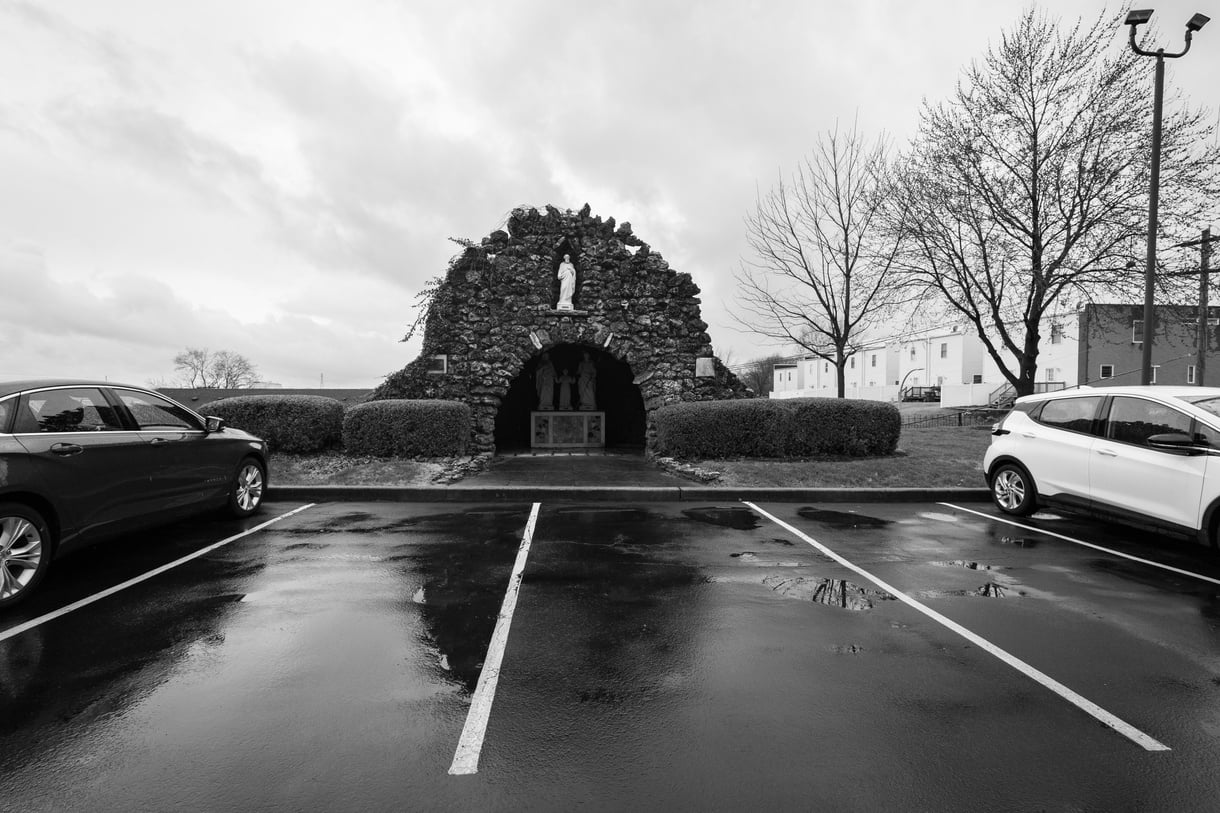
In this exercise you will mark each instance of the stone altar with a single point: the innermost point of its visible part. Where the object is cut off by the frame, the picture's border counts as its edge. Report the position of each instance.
(571, 429)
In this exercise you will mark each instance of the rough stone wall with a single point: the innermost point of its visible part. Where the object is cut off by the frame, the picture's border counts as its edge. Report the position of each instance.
(495, 311)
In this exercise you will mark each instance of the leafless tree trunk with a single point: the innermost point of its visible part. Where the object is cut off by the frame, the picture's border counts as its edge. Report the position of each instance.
(822, 273)
(223, 369)
(1029, 186)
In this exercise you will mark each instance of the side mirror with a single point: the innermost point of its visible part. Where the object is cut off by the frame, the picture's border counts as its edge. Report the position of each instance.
(213, 424)
(1175, 442)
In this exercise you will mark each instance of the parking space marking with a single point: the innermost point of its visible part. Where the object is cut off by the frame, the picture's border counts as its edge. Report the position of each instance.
(1074, 541)
(470, 744)
(1126, 729)
(110, 591)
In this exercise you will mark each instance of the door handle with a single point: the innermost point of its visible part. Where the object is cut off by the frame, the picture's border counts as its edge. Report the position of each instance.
(66, 449)
(158, 441)
(1028, 435)
(1107, 452)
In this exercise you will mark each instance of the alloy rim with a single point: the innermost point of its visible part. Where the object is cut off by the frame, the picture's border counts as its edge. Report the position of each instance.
(249, 487)
(20, 554)
(1009, 489)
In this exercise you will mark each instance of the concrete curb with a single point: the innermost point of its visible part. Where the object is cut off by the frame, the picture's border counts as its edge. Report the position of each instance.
(691, 493)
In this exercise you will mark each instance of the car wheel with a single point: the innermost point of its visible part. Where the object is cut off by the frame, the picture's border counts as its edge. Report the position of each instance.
(1012, 490)
(25, 551)
(246, 491)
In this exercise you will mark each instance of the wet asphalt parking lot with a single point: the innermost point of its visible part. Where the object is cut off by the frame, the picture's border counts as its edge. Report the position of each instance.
(677, 656)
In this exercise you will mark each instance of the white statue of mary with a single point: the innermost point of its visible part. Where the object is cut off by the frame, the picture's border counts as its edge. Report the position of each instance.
(567, 283)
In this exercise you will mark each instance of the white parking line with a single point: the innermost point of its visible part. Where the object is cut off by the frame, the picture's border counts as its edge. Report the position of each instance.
(110, 591)
(1122, 727)
(470, 744)
(1149, 562)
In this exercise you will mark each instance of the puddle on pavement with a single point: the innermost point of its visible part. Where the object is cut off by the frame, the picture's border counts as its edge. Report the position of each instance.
(962, 563)
(939, 517)
(1016, 541)
(603, 515)
(842, 520)
(737, 518)
(988, 590)
(838, 593)
(753, 558)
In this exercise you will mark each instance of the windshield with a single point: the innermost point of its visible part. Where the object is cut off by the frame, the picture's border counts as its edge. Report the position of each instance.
(1209, 402)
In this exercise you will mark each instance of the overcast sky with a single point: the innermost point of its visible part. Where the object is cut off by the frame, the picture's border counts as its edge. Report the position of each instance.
(279, 178)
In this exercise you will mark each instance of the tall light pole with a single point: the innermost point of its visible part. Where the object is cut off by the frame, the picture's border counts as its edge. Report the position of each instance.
(1135, 19)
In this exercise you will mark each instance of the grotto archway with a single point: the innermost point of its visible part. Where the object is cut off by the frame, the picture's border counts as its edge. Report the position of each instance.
(617, 395)
(508, 297)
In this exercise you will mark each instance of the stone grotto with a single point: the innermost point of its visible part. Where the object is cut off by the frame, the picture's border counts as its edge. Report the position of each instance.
(563, 330)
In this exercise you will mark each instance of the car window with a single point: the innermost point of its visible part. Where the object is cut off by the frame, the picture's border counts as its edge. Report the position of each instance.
(1134, 420)
(1209, 403)
(6, 412)
(80, 409)
(154, 412)
(1073, 414)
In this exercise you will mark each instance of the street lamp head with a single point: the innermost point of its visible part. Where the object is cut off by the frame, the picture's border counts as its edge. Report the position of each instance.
(1141, 16)
(1196, 22)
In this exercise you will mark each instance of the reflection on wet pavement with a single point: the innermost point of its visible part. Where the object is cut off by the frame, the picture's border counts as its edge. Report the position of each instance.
(739, 518)
(843, 520)
(831, 592)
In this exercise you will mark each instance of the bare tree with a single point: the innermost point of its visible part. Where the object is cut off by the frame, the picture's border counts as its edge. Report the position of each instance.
(1029, 186)
(223, 369)
(759, 374)
(822, 274)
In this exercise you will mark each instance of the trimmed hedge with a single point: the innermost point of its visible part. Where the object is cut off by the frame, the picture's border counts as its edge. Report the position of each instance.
(407, 428)
(289, 423)
(789, 427)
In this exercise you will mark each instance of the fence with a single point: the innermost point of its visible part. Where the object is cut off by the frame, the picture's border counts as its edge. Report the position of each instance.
(967, 417)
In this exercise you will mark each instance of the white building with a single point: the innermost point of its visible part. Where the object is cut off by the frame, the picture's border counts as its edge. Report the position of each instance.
(952, 359)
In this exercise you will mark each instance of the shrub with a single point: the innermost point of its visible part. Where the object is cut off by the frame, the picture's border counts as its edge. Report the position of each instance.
(289, 423)
(407, 428)
(795, 427)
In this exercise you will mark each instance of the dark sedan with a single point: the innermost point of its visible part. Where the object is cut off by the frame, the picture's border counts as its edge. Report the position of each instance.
(85, 460)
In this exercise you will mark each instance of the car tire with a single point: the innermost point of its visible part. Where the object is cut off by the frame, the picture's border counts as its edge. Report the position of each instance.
(26, 547)
(246, 489)
(1013, 490)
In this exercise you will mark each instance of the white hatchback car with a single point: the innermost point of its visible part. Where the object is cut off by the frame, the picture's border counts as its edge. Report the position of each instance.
(1145, 454)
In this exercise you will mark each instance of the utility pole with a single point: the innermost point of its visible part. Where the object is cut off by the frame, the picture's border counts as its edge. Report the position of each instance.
(1205, 253)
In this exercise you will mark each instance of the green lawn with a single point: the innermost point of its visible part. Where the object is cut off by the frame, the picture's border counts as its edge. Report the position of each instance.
(925, 458)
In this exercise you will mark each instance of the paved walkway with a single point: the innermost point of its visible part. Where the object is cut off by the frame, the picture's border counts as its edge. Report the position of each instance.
(575, 469)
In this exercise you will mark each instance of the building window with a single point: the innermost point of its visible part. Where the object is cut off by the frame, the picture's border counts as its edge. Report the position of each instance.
(1107, 371)
(1050, 373)
(853, 362)
(977, 379)
(438, 365)
(873, 362)
(1190, 373)
(826, 367)
(1137, 331)
(1056, 334)
(944, 350)
(912, 354)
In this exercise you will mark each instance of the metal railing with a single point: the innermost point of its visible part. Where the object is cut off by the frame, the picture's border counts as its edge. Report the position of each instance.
(921, 394)
(965, 417)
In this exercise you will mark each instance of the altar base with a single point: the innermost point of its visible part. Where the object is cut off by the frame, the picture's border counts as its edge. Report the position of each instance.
(568, 429)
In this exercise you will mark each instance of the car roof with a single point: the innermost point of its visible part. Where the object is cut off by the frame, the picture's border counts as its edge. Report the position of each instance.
(1180, 392)
(10, 387)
